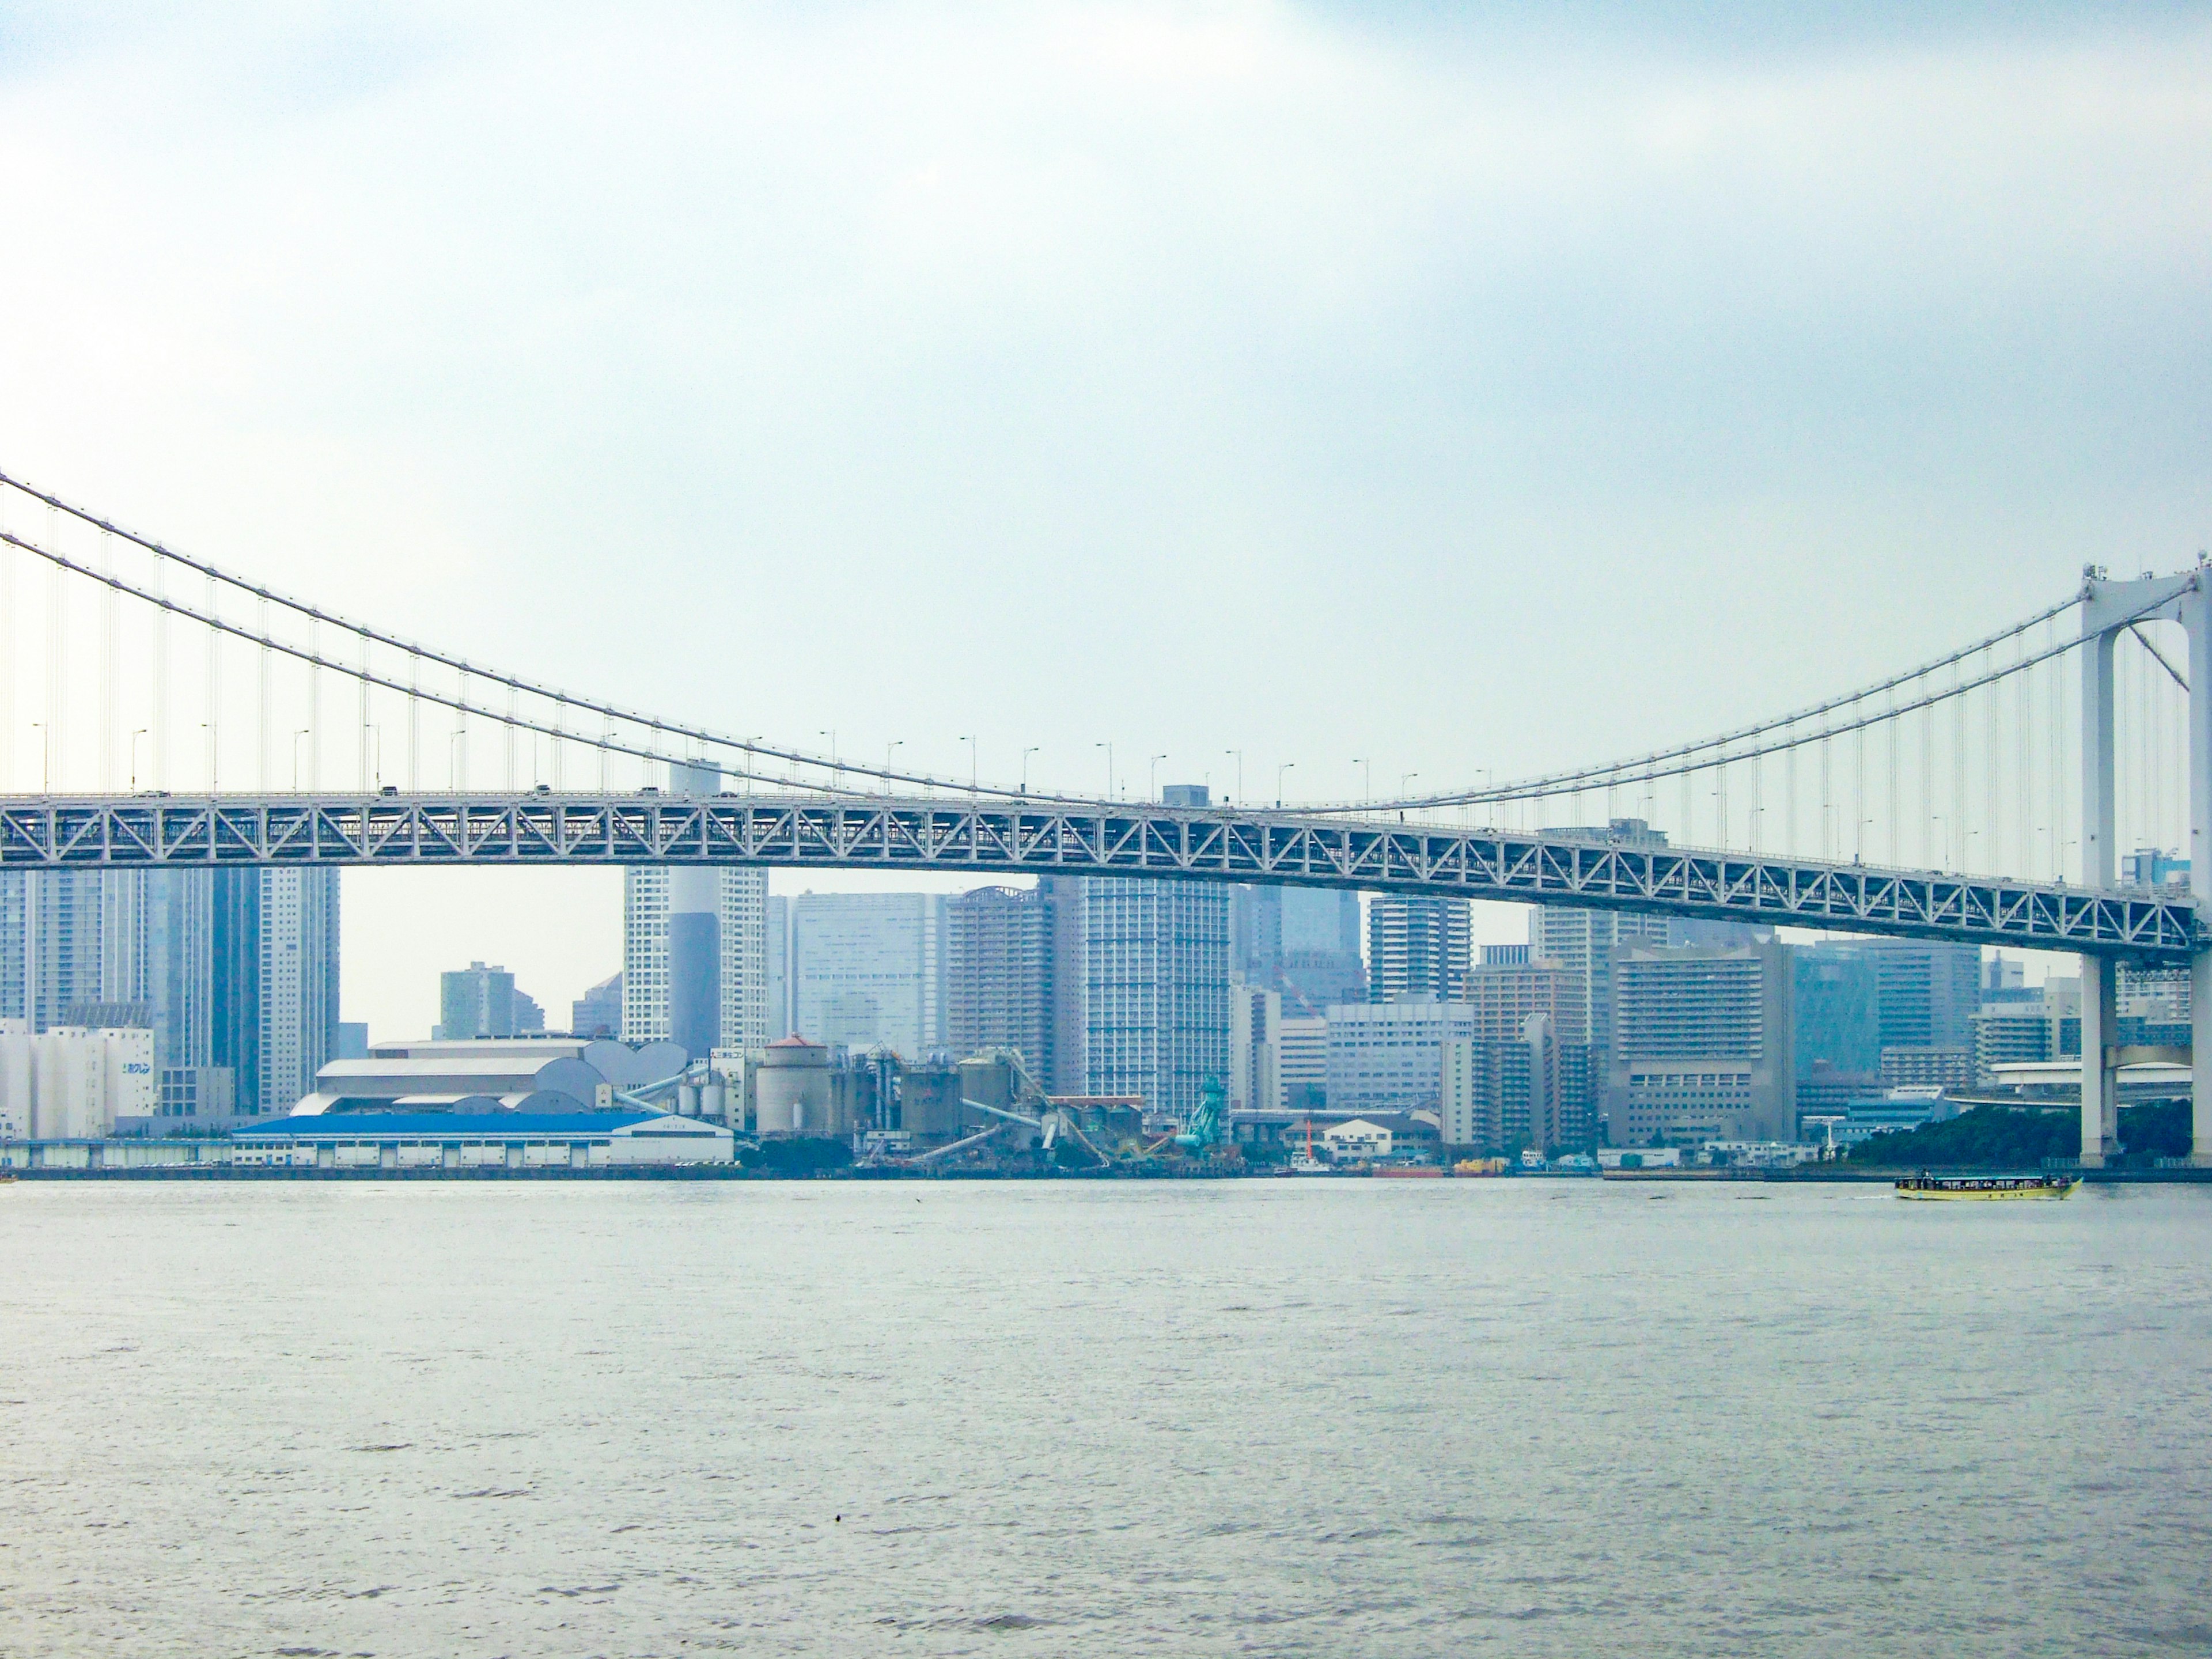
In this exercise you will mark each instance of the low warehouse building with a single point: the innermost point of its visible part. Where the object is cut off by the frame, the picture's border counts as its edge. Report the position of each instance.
(479, 1133)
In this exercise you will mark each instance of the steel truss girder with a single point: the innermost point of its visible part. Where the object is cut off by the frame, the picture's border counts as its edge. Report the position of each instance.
(146, 832)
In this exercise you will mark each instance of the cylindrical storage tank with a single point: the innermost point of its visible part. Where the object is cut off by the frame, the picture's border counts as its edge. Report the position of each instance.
(713, 1102)
(794, 1096)
(687, 1099)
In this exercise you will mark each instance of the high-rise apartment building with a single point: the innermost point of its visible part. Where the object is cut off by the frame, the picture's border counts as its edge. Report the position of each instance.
(694, 947)
(1702, 1045)
(236, 969)
(1256, 1029)
(868, 969)
(1927, 991)
(298, 982)
(474, 1001)
(1417, 947)
(738, 974)
(1155, 980)
(1501, 1096)
(1584, 942)
(1502, 995)
(998, 977)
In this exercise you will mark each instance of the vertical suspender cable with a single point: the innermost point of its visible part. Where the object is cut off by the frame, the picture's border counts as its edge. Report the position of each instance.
(1758, 798)
(414, 723)
(1993, 853)
(108, 701)
(11, 644)
(1927, 781)
(1858, 792)
(2058, 758)
(1958, 766)
(160, 712)
(213, 721)
(457, 757)
(56, 699)
(1789, 799)
(1889, 799)
(2023, 787)
(361, 723)
(261, 701)
(2001, 860)
(314, 707)
(1827, 805)
(510, 740)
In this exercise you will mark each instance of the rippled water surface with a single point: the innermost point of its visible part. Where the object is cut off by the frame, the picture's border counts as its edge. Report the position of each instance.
(1327, 1417)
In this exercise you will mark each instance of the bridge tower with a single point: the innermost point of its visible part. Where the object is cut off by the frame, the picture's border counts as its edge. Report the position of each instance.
(2108, 609)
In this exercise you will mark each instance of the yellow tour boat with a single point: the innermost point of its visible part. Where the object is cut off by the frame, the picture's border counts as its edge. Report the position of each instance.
(2042, 1186)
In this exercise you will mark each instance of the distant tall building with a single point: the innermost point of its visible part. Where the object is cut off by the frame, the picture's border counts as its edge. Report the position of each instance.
(868, 968)
(740, 967)
(781, 1021)
(999, 975)
(694, 947)
(1501, 1094)
(1301, 941)
(1417, 947)
(1255, 1031)
(1322, 964)
(598, 1012)
(237, 968)
(1502, 996)
(1839, 1011)
(1388, 1056)
(1703, 1045)
(1302, 1062)
(1255, 935)
(1584, 942)
(1927, 991)
(474, 1001)
(299, 983)
(1155, 1003)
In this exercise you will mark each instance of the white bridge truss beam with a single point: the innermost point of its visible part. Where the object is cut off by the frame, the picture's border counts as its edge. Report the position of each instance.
(857, 833)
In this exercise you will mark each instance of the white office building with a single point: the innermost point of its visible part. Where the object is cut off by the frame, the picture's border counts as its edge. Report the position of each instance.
(1389, 1055)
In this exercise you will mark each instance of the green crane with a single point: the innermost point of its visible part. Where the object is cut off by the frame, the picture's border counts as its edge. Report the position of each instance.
(1209, 1125)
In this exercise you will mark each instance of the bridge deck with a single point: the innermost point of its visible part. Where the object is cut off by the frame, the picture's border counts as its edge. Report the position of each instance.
(1013, 837)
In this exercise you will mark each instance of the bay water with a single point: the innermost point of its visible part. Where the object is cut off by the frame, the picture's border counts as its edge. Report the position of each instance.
(1316, 1416)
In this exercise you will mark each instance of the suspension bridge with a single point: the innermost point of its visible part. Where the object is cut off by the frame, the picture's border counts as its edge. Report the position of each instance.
(188, 715)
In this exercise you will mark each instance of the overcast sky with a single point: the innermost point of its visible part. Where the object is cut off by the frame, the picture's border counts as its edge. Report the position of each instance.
(1323, 382)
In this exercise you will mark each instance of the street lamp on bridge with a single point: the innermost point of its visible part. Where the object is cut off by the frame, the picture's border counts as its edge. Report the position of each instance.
(1279, 770)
